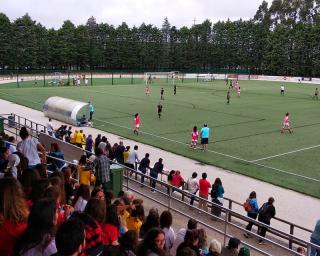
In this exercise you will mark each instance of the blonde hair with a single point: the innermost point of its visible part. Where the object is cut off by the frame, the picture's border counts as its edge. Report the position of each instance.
(13, 205)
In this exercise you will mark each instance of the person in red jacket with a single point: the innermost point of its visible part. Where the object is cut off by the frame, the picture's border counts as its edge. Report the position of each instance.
(13, 217)
(204, 187)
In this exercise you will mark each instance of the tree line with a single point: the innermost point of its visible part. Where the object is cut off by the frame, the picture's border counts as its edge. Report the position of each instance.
(281, 39)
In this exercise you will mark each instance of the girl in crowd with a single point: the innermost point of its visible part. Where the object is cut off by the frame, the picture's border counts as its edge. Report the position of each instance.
(165, 224)
(153, 243)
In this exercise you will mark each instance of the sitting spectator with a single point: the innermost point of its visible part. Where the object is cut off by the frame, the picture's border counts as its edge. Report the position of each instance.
(29, 146)
(123, 215)
(4, 159)
(98, 193)
(110, 227)
(191, 240)
(12, 147)
(28, 178)
(152, 221)
(153, 243)
(41, 169)
(68, 184)
(214, 248)
(38, 238)
(187, 251)
(135, 220)
(203, 243)
(232, 248)
(38, 190)
(57, 180)
(96, 209)
(192, 224)
(55, 164)
(244, 251)
(129, 243)
(93, 234)
(60, 132)
(70, 238)
(165, 224)
(177, 179)
(13, 217)
(13, 163)
(81, 198)
(68, 135)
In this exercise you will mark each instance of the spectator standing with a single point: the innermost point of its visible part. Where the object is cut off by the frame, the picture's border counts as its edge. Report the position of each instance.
(68, 134)
(193, 186)
(86, 176)
(133, 158)
(204, 134)
(50, 129)
(13, 218)
(315, 239)
(29, 147)
(118, 154)
(89, 145)
(266, 213)
(252, 210)
(103, 144)
(232, 248)
(204, 187)
(166, 225)
(91, 109)
(157, 168)
(144, 165)
(217, 192)
(102, 170)
(97, 141)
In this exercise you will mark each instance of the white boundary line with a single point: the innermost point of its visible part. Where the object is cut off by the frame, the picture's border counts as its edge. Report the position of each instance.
(215, 152)
(283, 154)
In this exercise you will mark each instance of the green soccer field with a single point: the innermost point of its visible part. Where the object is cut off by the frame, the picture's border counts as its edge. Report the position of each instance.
(245, 135)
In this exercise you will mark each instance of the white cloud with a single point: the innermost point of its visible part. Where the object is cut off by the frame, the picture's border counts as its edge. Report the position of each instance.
(52, 13)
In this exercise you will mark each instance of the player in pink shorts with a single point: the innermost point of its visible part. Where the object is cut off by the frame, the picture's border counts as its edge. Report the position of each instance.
(286, 124)
(137, 123)
(194, 137)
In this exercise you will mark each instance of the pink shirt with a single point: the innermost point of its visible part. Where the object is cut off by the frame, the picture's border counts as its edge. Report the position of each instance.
(195, 135)
(137, 120)
(286, 120)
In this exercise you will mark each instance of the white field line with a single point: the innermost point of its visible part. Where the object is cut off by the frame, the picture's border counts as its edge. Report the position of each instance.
(215, 152)
(287, 153)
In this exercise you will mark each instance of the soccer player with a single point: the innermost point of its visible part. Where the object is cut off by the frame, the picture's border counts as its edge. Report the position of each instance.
(286, 124)
(282, 90)
(228, 97)
(238, 91)
(147, 90)
(315, 96)
(174, 90)
(194, 137)
(161, 94)
(159, 109)
(137, 123)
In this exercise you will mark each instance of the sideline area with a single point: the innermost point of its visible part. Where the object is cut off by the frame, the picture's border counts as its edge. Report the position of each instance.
(292, 206)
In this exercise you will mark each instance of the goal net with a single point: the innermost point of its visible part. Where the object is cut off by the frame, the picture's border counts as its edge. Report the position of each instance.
(55, 78)
(167, 77)
(206, 77)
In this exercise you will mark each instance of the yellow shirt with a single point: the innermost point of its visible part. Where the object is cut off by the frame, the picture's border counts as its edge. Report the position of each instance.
(79, 138)
(126, 156)
(134, 223)
(85, 176)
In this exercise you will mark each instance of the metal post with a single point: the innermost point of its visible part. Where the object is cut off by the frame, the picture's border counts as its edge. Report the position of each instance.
(18, 86)
(225, 228)
(230, 207)
(182, 79)
(91, 78)
(291, 233)
(112, 78)
(68, 77)
(131, 78)
(167, 78)
(197, 77)
(44, 79)
(169, 197)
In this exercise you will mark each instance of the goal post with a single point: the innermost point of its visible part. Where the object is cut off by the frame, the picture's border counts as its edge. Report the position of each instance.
(171, 76)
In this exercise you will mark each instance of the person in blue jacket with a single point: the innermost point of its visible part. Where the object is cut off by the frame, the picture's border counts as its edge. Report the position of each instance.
(253, 210)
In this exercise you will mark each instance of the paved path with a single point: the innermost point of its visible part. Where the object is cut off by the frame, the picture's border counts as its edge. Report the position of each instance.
(295, 207)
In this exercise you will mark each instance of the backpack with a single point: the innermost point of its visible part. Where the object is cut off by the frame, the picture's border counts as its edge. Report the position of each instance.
(247, 206)
(214, 192)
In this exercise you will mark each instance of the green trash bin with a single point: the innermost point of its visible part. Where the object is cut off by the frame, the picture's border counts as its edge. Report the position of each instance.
(1, 125)
(116, 178)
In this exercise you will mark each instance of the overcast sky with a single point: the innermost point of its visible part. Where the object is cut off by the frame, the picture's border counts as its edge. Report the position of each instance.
(52, 13)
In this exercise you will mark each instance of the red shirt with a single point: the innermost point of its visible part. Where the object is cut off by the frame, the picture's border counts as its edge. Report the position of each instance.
(9, 234)
(110, 233)
(177, 180)
(204, 187)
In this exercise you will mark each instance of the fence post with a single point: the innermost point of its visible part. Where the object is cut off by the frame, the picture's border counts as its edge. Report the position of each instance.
(198, 77)
(44, 79)
(225, 228)
(291, 233)
(182, 79)
(131, 78)
(91, 78)
(169, 197)
(112, 78)
(18, 79)
(230, 207)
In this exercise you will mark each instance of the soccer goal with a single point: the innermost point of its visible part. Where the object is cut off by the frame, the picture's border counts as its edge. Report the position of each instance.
(167, 77)
(55, 78)
(205, 77)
